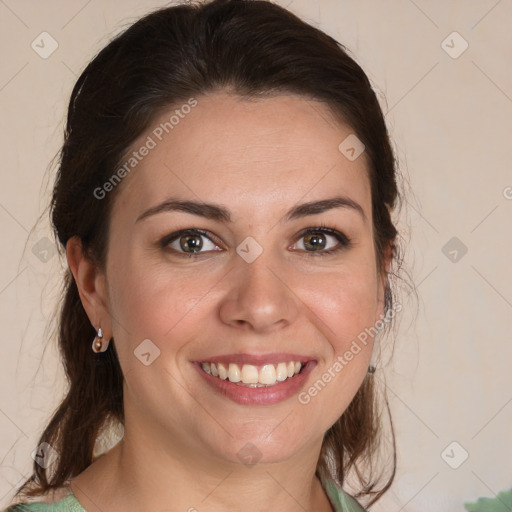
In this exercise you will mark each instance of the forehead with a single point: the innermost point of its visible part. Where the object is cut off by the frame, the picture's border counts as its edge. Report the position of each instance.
(243, 153)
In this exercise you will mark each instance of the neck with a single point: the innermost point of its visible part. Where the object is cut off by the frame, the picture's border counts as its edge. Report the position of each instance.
(137, 474)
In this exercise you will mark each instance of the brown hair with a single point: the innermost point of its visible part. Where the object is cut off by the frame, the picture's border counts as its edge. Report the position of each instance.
(251, 48)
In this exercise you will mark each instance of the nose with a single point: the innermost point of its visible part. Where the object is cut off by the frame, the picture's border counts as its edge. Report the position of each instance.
(259, 297)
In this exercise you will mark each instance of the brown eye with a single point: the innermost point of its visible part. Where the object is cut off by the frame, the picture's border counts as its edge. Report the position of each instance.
(315, 241)
(322, 241)
(189, 242)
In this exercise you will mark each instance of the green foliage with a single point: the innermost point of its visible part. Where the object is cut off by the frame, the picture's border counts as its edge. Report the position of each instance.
(502, 503)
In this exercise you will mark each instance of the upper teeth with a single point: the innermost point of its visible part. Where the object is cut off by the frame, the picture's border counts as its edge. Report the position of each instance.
(268, 374)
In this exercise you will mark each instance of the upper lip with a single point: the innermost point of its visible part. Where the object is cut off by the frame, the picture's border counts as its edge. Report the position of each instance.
(256, 360)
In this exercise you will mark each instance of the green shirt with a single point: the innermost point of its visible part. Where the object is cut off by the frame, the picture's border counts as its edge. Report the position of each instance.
(341, 502)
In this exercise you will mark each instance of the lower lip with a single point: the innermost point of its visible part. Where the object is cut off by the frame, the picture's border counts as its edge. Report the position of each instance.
(258, 396)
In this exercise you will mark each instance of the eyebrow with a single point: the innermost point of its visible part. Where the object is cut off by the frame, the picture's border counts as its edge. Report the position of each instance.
(221, 214)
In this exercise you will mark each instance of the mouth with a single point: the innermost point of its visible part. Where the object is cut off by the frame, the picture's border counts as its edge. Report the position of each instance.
(253, 376)
(256, 379)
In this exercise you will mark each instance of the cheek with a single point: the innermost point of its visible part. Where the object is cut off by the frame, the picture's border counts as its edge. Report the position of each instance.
(149, 301)
(345, 303)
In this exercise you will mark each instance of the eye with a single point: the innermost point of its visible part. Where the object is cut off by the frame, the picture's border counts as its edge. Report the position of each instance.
(318, 241)
(322, 241)
(189, 242)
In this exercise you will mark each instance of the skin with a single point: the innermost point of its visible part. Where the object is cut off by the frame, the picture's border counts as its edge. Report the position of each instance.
(258, 159)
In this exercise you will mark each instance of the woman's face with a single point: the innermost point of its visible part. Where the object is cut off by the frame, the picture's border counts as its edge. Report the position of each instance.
(246, 285)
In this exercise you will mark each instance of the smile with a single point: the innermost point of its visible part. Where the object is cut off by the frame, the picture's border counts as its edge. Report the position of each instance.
(251, 375)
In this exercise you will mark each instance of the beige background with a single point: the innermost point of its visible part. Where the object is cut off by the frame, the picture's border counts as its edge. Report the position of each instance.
(451, 121)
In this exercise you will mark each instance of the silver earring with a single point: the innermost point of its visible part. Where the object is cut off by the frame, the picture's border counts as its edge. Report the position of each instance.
(98, 344)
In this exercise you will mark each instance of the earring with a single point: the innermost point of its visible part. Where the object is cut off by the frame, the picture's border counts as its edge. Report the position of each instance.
(373, 360)
(98, 345)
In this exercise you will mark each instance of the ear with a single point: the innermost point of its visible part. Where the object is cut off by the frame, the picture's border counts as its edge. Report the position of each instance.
(382, 281)
(91, 284)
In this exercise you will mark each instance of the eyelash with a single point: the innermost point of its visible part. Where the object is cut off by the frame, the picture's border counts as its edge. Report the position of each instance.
(344, 241)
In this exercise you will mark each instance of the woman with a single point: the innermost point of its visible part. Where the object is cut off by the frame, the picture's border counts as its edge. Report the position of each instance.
(223, 198)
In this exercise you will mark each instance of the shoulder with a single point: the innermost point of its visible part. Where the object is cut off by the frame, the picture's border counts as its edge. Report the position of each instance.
(67, 504)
